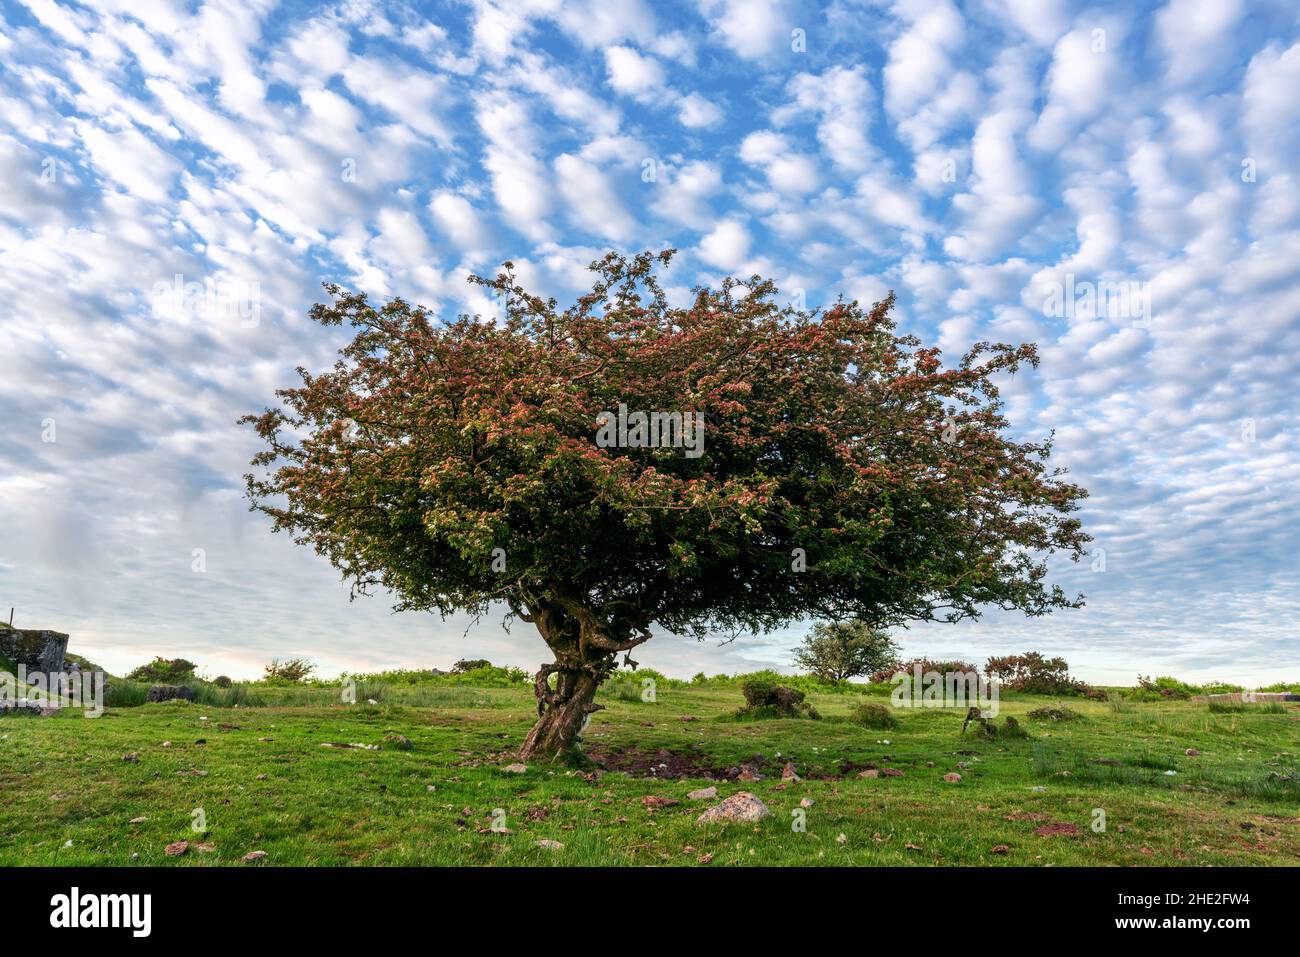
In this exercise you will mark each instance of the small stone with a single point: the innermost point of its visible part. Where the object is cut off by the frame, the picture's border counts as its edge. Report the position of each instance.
(742, 806)
(999, 849)
(131, 756)
(952, 777)
(1170, 773)
(703, 794)
(399, 741)
(1038, 789)
(205, 848)
(177, 849)
(653, 801)
(261, 777)
(1191, 752)
(515, 768)
(788, 772)
(252, 856)
(842, 838)
(166, 744)
(892, 773)
(805, 802)
(550, 845)
(705, 858)
(870, 773)
(138, 820)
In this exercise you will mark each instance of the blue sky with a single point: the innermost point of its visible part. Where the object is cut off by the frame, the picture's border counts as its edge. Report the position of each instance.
(977, 158)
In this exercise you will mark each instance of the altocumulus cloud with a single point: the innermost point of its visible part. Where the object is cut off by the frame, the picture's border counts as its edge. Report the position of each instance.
(974, 157)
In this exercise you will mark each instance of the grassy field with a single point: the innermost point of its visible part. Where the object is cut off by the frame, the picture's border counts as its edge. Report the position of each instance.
(265, 779)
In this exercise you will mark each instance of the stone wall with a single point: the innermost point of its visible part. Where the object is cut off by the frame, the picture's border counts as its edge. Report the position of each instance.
(38, 649)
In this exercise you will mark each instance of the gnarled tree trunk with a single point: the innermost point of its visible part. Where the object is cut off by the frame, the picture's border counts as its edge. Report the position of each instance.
(584, 656)
(562, 713)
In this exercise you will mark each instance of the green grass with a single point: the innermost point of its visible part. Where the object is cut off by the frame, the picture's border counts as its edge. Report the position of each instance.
(270, 785)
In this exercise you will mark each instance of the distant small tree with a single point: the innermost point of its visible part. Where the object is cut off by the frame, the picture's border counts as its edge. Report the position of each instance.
(294, 670)
(835, 651)
(469, 664)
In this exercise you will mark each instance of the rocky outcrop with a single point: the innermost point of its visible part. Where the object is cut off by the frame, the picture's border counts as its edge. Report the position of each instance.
(169, 693)
(37, 648)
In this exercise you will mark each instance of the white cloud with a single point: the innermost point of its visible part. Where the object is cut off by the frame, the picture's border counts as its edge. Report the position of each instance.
(726, 246)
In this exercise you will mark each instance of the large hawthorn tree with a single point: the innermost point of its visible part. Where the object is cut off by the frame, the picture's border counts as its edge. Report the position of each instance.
(846, 472)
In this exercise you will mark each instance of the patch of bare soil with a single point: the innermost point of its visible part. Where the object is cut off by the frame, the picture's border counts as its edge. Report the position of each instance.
(663, 764)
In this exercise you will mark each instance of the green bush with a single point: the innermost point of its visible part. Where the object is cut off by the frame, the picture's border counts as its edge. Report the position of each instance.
(221, 681)
(164, 671)
(764, 698)
(871, 715)
(1053, 714)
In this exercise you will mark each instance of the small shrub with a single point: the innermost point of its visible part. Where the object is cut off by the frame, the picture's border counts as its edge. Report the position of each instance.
(291, 671)
(1167, 687)
(164, 671)
(871, 715)
(1011, 728)
(222, 681)
(1031, 673)
(990, 729)
(765, 698)
(927, 665)
(469, 664)
(1053, 714)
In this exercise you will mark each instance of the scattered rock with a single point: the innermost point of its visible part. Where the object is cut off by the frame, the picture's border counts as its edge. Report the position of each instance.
(169, 693)
(399, 741)
(177, 849)
(688, 717)
(892, 773)
(252, 856)
(207, 847)
(742, 806)
(705, 858)
(138, 820)
(261, 777)
(350, 747)
(166, 744)
(952, 777)
(870, 773)
(805, 802)
(703, 794)
(516, 768)
(1191, 752)
(999, 849)
(653, 801)
(842, 838)
(550, 845)
(131, 756)
(788, 772)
